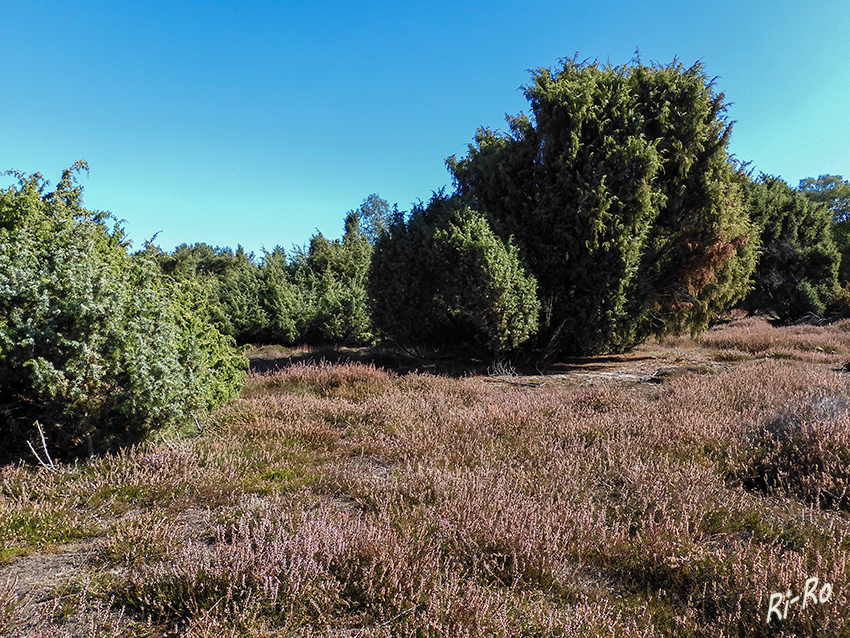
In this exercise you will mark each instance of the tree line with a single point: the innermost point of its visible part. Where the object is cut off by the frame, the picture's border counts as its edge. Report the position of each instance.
(609, 213)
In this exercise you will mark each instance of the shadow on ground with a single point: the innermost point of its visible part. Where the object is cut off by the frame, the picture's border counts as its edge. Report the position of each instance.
(268, 358)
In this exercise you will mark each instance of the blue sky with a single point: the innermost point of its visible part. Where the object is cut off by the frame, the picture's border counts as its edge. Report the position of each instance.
(258, 122)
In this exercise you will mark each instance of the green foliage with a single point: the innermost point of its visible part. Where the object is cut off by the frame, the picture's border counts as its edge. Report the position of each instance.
(373, 217)
(241, 296)
(491, 292)
(316, 295)
(445, 278)
(831, 190)
(797, 270)
(289, 305)
(207, 268)
(209, 359)
(94, 344)
(333, 275)
(834, 191)
(400, 286)
(198, 261)
(621, 197)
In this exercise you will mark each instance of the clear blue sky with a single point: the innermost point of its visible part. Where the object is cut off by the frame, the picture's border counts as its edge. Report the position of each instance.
(258, 122)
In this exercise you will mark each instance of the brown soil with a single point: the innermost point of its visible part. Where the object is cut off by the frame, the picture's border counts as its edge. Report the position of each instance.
(41, 580)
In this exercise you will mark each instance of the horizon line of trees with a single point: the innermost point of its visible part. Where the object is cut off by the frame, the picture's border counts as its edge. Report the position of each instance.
(322, 293)
(609, 213)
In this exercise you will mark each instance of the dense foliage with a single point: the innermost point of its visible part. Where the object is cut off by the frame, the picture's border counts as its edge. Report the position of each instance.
(334, 275)
(834, 192)
(796, 273)
(622, 199)
(316, 294)
(613, 211)
(95, 346)
(443, 278)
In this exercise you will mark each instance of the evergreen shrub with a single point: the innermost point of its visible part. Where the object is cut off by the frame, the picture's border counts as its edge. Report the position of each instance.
(96, 347)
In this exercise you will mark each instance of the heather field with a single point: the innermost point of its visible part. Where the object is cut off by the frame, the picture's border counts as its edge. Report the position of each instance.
(672, 491)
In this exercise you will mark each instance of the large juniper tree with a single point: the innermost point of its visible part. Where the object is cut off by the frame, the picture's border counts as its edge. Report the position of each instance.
(622, 199)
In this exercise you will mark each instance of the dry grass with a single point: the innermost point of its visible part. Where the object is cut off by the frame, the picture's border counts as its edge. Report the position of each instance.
(343, 500)
(755, 336)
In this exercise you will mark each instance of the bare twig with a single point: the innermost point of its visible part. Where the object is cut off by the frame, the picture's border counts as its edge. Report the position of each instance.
(501, 369)
(49, 464)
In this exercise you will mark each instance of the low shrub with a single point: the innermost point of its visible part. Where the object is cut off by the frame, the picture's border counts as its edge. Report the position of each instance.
(351, 381)
(97, 349)
(755, 336)
(803, 452)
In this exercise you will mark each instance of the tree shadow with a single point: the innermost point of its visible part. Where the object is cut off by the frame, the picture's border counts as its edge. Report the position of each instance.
(269, 358)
